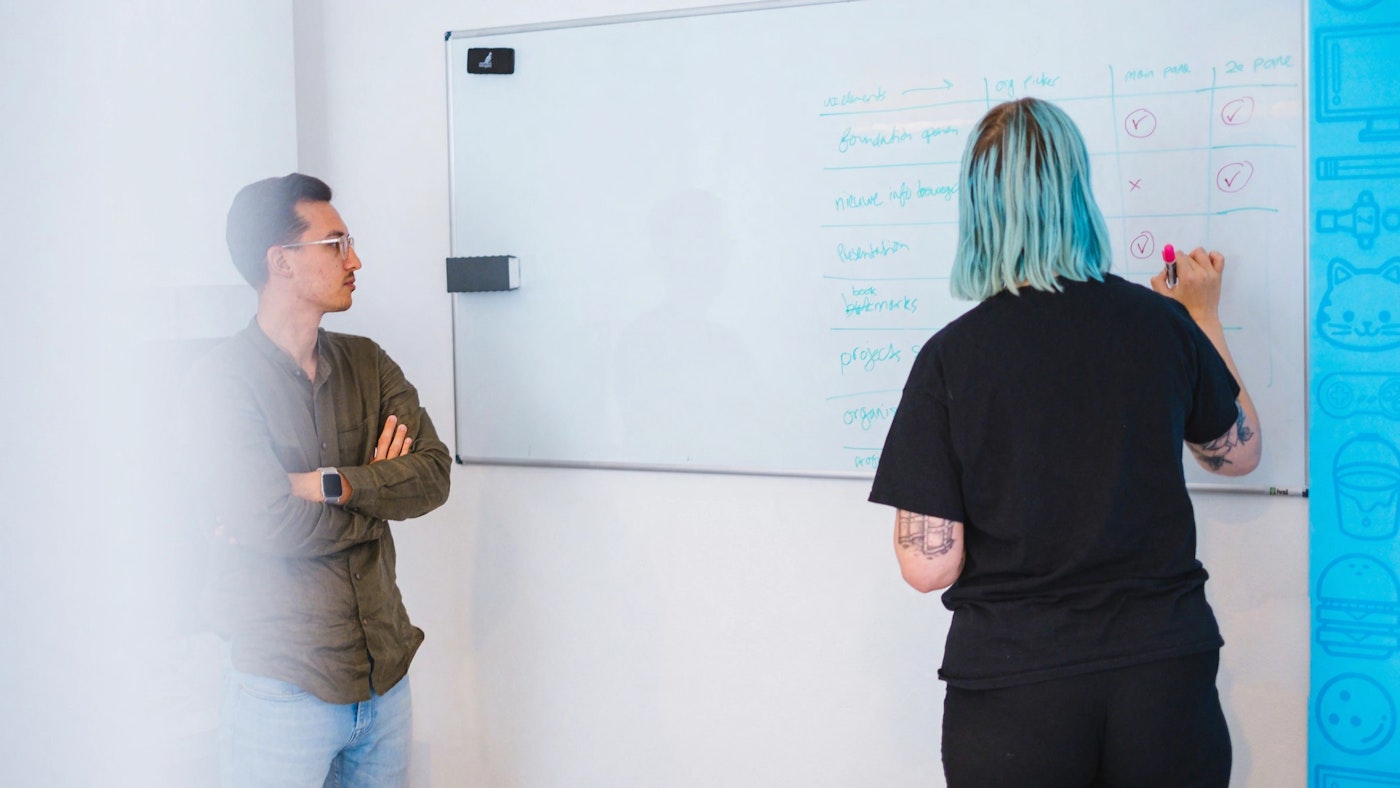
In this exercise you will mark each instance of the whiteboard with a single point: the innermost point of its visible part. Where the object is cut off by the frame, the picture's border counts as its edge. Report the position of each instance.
(735, 226)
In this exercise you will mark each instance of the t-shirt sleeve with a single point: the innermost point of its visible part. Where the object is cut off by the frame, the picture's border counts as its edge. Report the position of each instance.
(1213, 409)
(918, 469)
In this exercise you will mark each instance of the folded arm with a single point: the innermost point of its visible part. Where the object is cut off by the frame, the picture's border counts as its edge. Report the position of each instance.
(405, 482)
(253, 498)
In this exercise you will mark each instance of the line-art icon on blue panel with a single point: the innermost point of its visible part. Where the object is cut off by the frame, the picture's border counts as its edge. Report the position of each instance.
(1342, 168)
(1361, 308)
(1364, 220)
(1355, 714)
(1352, 5)
(1356, 68)
(1358, 608)
(1341, 777)
(1366, 473)
(1344, 394)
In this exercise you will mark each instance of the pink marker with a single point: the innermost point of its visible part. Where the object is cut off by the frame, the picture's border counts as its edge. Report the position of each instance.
(1169, 257)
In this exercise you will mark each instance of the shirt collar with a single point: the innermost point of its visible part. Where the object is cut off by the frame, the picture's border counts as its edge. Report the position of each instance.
(283, 361)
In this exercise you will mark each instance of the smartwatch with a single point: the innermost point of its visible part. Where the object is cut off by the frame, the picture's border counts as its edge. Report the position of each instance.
(331, 487)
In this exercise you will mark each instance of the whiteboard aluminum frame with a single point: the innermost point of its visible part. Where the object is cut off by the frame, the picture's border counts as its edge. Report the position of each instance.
(761, 5)
(715, 470)
(644, 16)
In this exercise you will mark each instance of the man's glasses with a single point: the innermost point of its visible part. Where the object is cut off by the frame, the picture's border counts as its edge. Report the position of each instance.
(343, 244)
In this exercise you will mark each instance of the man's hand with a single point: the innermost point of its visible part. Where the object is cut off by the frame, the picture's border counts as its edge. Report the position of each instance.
(393, 441)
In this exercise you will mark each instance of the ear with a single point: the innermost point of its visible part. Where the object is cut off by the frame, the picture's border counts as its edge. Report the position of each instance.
(277, 264)
(1339, 271)
(1391, 270)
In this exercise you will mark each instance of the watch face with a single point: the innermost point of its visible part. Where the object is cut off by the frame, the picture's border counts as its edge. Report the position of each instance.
(330, 485)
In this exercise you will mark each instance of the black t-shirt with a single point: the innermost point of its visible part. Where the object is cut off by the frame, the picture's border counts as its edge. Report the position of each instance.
(1051, 426)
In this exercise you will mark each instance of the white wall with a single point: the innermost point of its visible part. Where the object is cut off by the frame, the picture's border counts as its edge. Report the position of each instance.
(608, 628)
(126, 128)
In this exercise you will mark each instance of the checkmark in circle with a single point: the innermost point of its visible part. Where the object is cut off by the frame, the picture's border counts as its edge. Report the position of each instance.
(1237, 112)
(1143, 245)
(1140, 123)
(1233, 177)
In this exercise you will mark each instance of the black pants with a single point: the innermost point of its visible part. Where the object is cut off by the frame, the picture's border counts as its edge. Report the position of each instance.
(1157, 724)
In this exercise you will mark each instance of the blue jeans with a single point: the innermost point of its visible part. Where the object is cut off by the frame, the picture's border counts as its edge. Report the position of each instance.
(273, 733)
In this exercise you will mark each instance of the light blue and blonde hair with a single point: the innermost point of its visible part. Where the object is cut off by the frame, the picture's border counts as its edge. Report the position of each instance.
(1026, 210)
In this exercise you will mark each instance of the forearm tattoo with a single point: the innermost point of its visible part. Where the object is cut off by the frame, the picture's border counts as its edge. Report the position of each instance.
(928, 536)
(1215, 455)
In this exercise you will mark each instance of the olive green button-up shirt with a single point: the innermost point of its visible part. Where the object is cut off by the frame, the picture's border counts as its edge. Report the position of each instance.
(307, 592)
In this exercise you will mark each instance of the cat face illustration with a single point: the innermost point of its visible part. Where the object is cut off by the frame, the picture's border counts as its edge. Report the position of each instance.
(1361, 308)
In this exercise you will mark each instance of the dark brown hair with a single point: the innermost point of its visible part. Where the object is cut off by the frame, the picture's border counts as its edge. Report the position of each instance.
(264, 215)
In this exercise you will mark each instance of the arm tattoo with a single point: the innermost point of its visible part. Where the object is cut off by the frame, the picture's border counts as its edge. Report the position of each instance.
(929, 536)
(1214, 454)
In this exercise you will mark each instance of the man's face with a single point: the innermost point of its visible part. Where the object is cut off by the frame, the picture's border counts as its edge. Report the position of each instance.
(320, 277)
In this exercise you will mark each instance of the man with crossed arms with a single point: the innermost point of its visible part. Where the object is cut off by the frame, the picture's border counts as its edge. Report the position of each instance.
(317, 441)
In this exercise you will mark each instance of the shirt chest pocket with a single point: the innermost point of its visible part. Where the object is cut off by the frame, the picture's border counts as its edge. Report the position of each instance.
(356, 440)
(356, 408)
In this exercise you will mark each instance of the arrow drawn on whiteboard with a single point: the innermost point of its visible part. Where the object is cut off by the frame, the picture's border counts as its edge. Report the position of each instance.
(947, 85)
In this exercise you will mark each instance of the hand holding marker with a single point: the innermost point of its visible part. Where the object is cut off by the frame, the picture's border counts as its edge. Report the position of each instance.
(1194, 279)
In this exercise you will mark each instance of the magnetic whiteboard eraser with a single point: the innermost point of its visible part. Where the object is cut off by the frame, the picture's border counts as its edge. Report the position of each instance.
(500, 60)
(484, 274)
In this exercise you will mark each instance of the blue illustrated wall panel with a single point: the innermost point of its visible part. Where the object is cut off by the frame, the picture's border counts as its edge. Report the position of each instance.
(1354, 362)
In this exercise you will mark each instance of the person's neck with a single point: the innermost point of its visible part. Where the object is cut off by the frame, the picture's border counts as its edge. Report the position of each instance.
(292, 330)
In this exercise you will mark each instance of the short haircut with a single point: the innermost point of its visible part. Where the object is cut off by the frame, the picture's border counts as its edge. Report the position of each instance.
(1026, 210)
(264, 215)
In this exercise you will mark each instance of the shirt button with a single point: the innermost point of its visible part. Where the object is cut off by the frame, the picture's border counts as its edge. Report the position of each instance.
(364, 621)
(323, 445)
(357, 575)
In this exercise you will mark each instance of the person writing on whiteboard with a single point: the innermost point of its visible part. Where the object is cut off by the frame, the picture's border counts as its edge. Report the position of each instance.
(314, 440)
(1035, 461)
